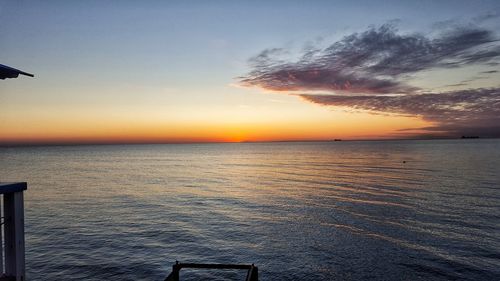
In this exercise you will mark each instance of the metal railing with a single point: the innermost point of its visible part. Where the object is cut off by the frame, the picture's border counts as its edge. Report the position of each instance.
(252, 274)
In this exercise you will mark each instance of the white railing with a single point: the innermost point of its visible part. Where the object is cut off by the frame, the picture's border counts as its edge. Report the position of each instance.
(12, 237)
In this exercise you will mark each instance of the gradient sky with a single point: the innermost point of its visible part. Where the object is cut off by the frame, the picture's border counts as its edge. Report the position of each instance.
(190, 71)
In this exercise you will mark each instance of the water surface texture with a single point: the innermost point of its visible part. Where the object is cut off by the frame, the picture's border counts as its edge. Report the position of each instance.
(392, 210)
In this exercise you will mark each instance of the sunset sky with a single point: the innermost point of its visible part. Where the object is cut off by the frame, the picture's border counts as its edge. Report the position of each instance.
(196, 71)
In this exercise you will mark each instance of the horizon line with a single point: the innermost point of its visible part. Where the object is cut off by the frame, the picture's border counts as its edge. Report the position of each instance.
(38, 144)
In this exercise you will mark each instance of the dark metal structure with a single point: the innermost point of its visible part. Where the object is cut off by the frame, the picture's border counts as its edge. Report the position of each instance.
(10, 72)
(252, 274)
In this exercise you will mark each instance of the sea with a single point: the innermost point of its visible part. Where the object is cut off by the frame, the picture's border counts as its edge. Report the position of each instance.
(345, 210)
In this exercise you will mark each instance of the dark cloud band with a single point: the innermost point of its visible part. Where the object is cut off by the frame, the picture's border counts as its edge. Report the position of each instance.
(455, 112)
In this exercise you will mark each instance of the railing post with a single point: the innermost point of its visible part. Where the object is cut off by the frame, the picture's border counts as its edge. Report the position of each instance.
(174, 275)
(175, 270)
(14, 235)
(253, 273)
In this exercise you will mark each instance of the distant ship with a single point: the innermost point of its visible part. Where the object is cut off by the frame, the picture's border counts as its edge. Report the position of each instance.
(337, 140)
(470, 137)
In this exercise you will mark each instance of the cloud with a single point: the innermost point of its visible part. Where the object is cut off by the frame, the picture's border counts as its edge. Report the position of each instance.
(457, 112)
(457, 84)
(374, 61)
(489, 71)
(373, 71)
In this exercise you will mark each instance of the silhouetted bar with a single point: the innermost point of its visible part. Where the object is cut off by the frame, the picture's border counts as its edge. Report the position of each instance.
(252, 275)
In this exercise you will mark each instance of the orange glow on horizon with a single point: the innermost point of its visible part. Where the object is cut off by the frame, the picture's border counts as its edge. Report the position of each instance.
(266, 118)
(109, 131)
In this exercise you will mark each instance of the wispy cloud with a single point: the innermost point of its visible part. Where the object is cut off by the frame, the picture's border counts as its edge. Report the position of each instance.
(489, 71)
(373, 61)
(372, 70)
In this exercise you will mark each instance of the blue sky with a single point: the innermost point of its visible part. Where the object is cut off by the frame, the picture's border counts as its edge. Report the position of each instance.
(118, 55)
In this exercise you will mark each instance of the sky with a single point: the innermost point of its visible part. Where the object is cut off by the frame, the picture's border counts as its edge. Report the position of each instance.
(233, 71)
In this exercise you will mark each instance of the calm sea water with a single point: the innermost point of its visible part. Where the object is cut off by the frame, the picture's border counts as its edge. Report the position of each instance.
(299, 211)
